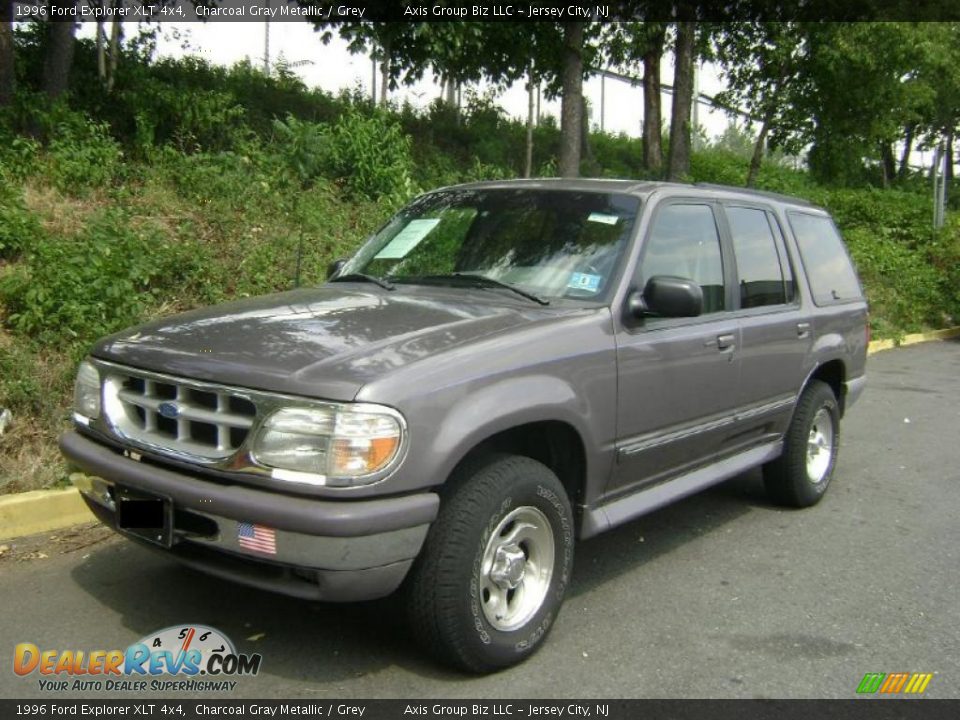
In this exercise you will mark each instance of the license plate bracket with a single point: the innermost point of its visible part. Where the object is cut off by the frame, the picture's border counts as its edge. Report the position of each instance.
(144, 515)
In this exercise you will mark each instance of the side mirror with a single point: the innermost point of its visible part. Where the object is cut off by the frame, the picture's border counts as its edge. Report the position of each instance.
(335, 267)
(667, 296)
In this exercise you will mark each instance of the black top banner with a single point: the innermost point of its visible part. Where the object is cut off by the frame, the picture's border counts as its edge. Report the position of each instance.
(335, 12)
(175, 709)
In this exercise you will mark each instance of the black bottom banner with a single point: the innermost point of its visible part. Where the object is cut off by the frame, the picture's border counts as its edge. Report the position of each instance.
(501, 709)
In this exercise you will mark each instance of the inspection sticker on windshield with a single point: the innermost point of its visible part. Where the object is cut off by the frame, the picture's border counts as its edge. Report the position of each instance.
(407, 239)
(584, 281)
(603, 218)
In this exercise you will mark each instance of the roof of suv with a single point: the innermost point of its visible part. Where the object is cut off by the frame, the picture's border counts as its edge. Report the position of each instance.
(635, 187)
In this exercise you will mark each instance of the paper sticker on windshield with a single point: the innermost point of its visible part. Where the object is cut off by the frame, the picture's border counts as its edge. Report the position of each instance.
(603, 218)
(584, 281)
(407, 239)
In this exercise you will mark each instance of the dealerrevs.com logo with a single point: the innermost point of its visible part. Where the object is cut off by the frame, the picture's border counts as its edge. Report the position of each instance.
(894, 683)
(183, 652)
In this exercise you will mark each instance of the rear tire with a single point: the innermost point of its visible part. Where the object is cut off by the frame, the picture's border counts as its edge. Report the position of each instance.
(492, 575)
(802, 474)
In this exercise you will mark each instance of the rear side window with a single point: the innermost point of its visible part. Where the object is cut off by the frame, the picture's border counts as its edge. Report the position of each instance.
(759, 263)
(831, 274)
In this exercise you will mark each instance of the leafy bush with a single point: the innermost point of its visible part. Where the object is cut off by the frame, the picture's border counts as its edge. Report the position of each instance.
(719, 166)
(302, 145)
(20, 388)
(906, 293)
(82, 156)
(18, 155)
(78, 288)
(19, 228)
(370, 156)
(366, 153)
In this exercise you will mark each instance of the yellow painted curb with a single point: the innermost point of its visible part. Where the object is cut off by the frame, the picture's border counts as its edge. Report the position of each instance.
(913, 339)
(41, 510)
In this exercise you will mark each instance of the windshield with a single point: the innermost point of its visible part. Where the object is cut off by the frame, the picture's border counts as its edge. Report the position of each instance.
(544, 243)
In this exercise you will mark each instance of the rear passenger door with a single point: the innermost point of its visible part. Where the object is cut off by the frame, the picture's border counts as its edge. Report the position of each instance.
(775, 334)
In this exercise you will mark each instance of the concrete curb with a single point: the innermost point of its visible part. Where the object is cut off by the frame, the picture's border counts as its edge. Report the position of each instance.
(44, 510)
(913, 339)
(39, 511)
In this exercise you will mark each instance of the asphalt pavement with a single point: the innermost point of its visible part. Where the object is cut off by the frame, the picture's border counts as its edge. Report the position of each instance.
(721, 595)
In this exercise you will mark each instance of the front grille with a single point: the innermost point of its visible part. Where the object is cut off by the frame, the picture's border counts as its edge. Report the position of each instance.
(178, 416)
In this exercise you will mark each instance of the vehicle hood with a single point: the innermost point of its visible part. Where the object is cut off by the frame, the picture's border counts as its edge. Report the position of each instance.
(322, 342)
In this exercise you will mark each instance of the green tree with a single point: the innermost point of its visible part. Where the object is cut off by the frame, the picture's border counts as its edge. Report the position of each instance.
(763, 66)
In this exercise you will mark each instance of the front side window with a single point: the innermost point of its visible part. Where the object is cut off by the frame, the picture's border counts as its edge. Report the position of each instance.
(831, 274)
(553, 243)
(684, 242)
(759, 267)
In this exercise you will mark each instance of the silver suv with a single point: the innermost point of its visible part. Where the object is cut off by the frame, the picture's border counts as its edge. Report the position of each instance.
(502, 368)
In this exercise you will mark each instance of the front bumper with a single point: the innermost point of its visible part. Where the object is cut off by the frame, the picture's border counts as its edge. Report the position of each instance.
(337, 550)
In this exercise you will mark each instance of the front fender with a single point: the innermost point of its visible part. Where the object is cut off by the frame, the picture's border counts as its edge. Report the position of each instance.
(492, 408)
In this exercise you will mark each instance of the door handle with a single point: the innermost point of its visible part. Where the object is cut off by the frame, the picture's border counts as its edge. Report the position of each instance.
(803, 330)
(725, 342)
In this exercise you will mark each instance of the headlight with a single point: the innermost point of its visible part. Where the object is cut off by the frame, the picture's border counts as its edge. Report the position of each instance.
(338, 445)
(86, 393)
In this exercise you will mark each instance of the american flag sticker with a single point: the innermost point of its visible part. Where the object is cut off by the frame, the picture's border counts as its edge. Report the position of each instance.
(257, 538)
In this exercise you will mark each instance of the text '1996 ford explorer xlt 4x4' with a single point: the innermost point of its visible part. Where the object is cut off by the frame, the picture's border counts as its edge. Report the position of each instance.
(502, 368)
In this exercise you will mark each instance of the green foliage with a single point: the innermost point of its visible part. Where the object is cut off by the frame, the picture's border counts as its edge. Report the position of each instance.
(18, 155)
(370, 156)
(83, 156)
(192, 119)
(366, 153)
(20, 388)
(617, 156)
(302, 145)
(910, 274)
(719, 166)
(19, 228)
(906, 293)
(77, 288)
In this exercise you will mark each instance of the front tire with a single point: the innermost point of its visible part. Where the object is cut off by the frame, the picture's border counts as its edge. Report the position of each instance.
(801, 475)
(492, 575)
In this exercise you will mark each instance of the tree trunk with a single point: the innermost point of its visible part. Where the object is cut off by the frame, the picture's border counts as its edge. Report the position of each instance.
(114, 53)
(571, 105)
(7, 75)
(586, 151)
(528, 165)
(758, 151)
(59, 57)
(652, 112)
(887, 163)
(101, 53)
(678, 157)
(905, 155)
(384, 74)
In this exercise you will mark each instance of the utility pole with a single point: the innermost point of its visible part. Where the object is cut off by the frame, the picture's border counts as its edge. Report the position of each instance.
(603, 100)
(940, 159)
(266, 44)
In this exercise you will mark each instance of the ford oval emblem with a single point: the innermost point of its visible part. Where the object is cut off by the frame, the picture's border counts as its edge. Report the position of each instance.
(169, 410)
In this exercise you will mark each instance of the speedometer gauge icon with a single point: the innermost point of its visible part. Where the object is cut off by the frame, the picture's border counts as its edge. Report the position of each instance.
(181, 639)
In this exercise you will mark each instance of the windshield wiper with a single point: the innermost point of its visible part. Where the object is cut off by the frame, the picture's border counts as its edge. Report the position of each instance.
(484, 281)
(363, 277)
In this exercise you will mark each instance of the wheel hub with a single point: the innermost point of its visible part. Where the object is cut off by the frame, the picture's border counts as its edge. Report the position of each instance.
(516, 568)
(509, 565)
(820, 446)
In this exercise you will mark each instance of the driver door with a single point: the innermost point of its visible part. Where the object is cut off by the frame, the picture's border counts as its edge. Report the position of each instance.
(678, 377)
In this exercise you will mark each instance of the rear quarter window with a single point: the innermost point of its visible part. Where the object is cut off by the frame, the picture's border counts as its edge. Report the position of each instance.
(825, 259)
